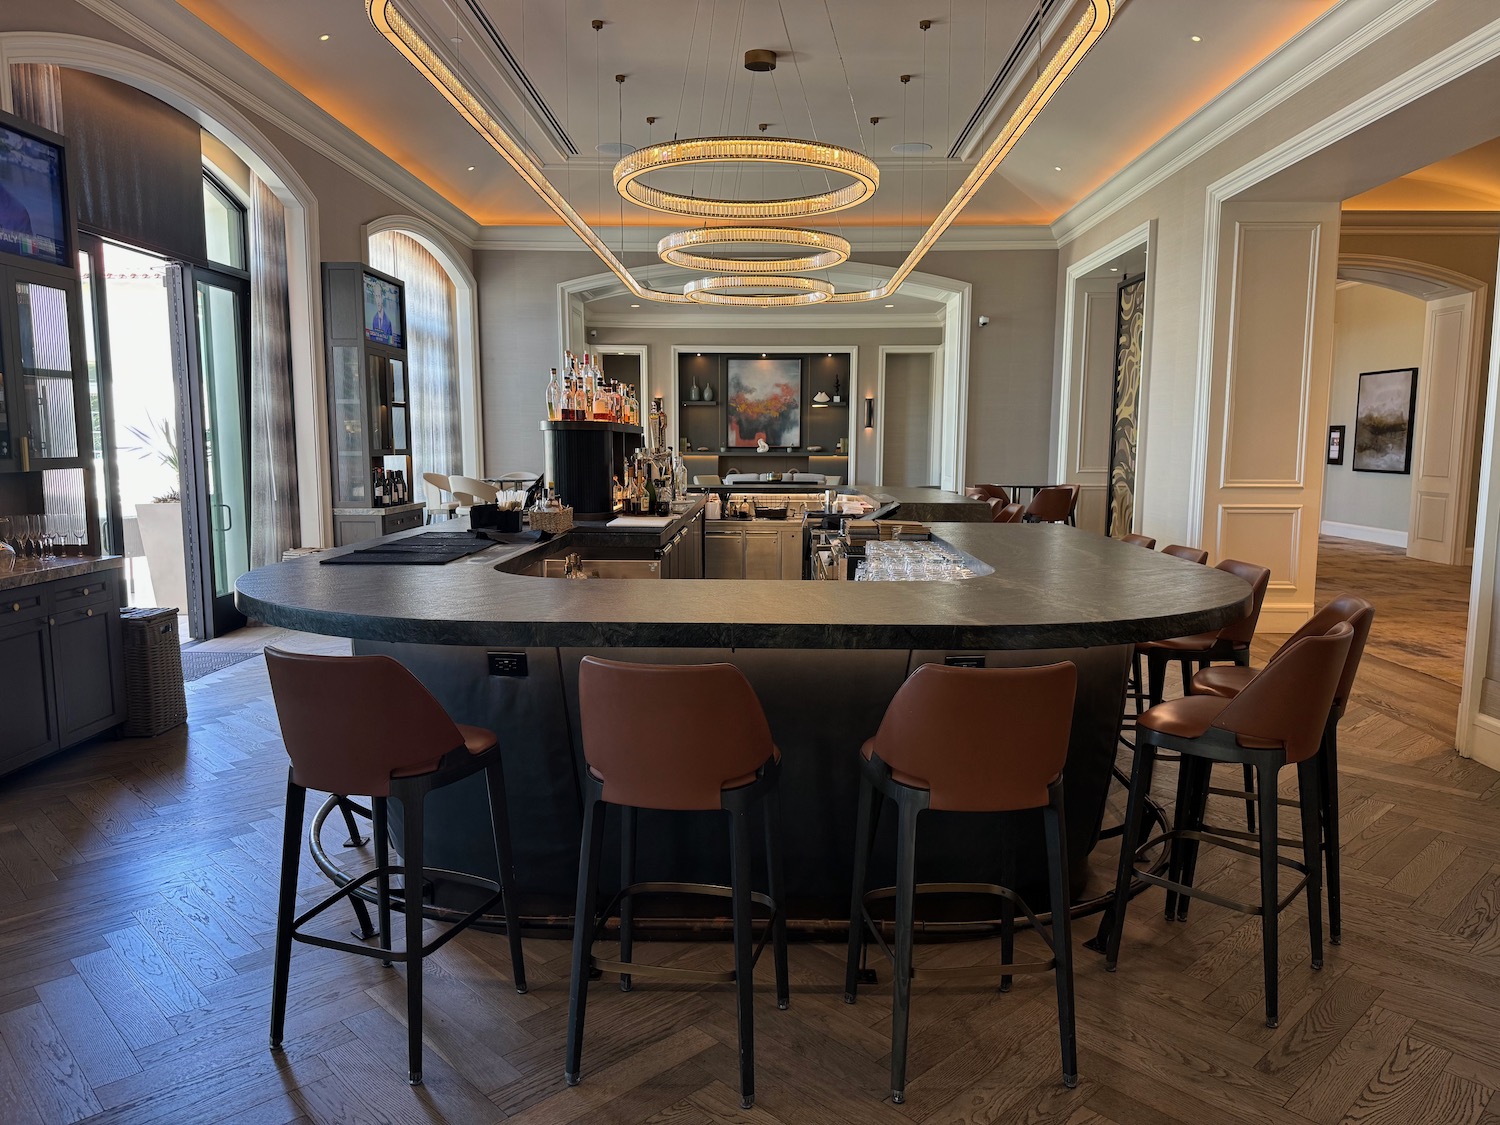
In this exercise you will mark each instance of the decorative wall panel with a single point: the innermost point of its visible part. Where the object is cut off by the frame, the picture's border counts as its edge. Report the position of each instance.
(1130, 334)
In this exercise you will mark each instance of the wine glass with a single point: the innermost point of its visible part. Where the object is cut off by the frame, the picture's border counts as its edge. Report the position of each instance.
(29, 547)
(49, 534)
(78, 526)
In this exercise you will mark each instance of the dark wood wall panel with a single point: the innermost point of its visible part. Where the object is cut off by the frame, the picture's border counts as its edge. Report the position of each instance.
(139, 165)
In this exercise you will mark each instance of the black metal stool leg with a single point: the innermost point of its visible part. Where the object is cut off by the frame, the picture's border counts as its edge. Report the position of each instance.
(776, 879)
(505, 864)
(1249, 778)
(286, 905)
(1201, 773)
(413, 826)
(864, 832)
(1007, 916)
(1270, 945)
(380, 815)
(1310, 796)
(1177, 853)
(1140, 782)
(906, 884)
(744, 960)
(355, 840)
(627, 877)
(1053, 819)
(1156, 679)
(589, 851)
(1328, 763)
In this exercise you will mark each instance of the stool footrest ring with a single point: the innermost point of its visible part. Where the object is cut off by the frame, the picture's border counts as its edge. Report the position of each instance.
(967, 971)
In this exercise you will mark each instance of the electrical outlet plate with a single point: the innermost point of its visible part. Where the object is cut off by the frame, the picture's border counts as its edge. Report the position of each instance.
(507, 663)
(963, 661)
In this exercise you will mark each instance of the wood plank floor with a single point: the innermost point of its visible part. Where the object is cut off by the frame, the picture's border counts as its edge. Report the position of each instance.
(136, 914)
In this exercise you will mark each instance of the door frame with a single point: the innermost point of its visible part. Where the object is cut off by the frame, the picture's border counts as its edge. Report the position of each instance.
(935, 422)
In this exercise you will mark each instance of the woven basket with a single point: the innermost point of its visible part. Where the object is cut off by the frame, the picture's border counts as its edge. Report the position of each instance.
(154, 696)
(555, 521)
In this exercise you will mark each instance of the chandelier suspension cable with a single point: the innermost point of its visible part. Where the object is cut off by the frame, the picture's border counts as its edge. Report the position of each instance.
(812, 124)
(620, 140)
(598, 26)
(921, 140)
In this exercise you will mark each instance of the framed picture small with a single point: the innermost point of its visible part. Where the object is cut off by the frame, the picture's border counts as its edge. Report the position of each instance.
(1335, 445)
(1383, 421)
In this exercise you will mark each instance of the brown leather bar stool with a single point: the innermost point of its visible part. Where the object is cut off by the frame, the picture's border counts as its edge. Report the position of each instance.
(1005, 513)
(1277, 720)
(987, 492)
(1228, 681)
(1139, 541)
(366, 725)
(1136, 687)
(939, 748)
(1053, 504)
(1191, 554)
(654, 738)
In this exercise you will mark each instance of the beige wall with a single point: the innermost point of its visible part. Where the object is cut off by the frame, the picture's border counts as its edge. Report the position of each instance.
(907, 421)
(1375, 329)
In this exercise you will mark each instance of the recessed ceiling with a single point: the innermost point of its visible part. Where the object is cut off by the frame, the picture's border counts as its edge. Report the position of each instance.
(839, 65)
(1468, 181)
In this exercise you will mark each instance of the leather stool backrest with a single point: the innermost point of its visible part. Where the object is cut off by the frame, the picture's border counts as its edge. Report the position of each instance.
(1139, 541)
(1242, 632)
(1009, 513)
(1289, 701)
(987, 492)
(349, 722)
(1360, 615)
(1192, 554)
(981, 739)
(1052, 504)
(668, 736)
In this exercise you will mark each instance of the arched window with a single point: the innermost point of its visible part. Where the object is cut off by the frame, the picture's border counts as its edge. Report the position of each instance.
(432, 350)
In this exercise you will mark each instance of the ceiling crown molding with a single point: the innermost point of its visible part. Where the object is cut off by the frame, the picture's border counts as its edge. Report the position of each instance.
(202, 52)
(1329, 41)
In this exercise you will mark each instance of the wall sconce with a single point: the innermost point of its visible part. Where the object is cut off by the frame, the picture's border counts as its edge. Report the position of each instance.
(870, 413)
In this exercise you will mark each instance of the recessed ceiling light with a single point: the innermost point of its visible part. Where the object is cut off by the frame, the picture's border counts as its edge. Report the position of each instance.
(614, 148)
(762, 355)
(911, 148)
(322, 39)
(634, 307)
(1114, 269)
(890, 306)
(471, 167)
(1057, 167)
(1197, 39)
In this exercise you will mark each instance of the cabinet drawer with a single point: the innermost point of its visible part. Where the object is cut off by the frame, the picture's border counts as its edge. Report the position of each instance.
(91, 590)
(21, 604)
(403, 522)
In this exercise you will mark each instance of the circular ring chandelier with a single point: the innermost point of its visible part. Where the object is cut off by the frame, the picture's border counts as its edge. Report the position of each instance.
(800, 291)
(761, 150)
(827, 249)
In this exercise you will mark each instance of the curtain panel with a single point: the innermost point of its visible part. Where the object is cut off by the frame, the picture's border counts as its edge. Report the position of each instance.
(432, 352)
(275, 517)
(36, 92)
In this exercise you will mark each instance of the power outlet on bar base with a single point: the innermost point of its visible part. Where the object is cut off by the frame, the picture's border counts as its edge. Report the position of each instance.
(507, 663)
(954, 661)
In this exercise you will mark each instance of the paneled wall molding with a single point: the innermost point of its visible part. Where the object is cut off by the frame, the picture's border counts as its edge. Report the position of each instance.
(436, 242)
(1291, 342)
(1269, 534)
(175, 33)
(223, 119)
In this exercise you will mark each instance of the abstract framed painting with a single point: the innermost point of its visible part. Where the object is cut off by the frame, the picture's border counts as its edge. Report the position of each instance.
(764, 403)
(1383, 421)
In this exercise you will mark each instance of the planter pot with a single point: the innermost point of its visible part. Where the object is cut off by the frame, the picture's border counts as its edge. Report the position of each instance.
(161, 537)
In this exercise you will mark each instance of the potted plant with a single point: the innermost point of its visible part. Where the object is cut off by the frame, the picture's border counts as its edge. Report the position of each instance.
(160, 522)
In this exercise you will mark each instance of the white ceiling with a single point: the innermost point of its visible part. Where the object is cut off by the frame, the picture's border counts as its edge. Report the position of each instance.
(839, 66)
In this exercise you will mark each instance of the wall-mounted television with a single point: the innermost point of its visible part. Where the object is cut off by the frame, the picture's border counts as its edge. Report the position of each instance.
(33, 197)
(383, 320)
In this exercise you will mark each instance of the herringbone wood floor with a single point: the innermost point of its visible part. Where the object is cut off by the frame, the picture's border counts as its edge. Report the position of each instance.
(136, 907)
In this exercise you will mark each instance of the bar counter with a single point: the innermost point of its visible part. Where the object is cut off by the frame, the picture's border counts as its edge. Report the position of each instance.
(825, 659)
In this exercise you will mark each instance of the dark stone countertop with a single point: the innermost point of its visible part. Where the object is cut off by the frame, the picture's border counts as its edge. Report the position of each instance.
(29, 572)
(1053, 587)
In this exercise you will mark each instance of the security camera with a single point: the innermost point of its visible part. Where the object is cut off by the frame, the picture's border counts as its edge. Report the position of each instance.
(983, 321)
(593, 333)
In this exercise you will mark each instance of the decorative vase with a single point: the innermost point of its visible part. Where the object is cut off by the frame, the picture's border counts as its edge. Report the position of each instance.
(708, 392)
(694, 394)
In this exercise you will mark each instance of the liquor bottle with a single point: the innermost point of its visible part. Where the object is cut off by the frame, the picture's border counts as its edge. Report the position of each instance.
(402, 493)
(554, 399)
(379, 491)
(589, 388)
(570, 398)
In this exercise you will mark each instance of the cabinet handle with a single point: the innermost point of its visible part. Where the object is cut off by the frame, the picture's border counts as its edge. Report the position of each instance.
(51, 621)
(89, 613)
(85, 591)
(15, 607)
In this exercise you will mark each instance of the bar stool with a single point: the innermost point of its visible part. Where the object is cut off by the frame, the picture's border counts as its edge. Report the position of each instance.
(1228, 681)
(939, 748)
(654, 738)
(1277, 720)
(1053, 504)
(366, 725)
(1191, 554)
(1139, 541)
(1001, 512)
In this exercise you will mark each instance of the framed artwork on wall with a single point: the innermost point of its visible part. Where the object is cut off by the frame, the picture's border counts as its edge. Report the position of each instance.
(1383, 421)
(1335, 445)
(764, 403)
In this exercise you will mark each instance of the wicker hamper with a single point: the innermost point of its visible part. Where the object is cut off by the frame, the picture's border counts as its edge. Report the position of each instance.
(154, 697)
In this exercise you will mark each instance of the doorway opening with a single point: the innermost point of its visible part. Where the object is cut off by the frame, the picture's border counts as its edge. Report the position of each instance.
(908, 435)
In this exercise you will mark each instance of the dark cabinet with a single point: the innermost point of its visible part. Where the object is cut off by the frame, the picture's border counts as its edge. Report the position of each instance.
(62, 672)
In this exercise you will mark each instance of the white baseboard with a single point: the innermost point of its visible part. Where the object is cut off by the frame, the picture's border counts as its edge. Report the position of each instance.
(1360, 531)
(1484, 741)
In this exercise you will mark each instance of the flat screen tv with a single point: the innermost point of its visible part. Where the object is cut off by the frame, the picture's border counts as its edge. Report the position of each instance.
(33, 210)
(383, 312)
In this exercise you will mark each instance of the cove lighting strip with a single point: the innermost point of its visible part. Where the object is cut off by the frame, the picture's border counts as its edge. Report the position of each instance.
(399, 31)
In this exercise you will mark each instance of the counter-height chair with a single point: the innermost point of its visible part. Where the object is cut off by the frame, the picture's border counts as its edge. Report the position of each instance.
(365, 725)
(987, 492)
(1277, 720)
(1053, 504)
(707, 480)
(1191, 554)
(1001, 512)
(654, 737)
(1139, 541)
(434, 485)
(1228, 681)
(478, 491)
(939, 748)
